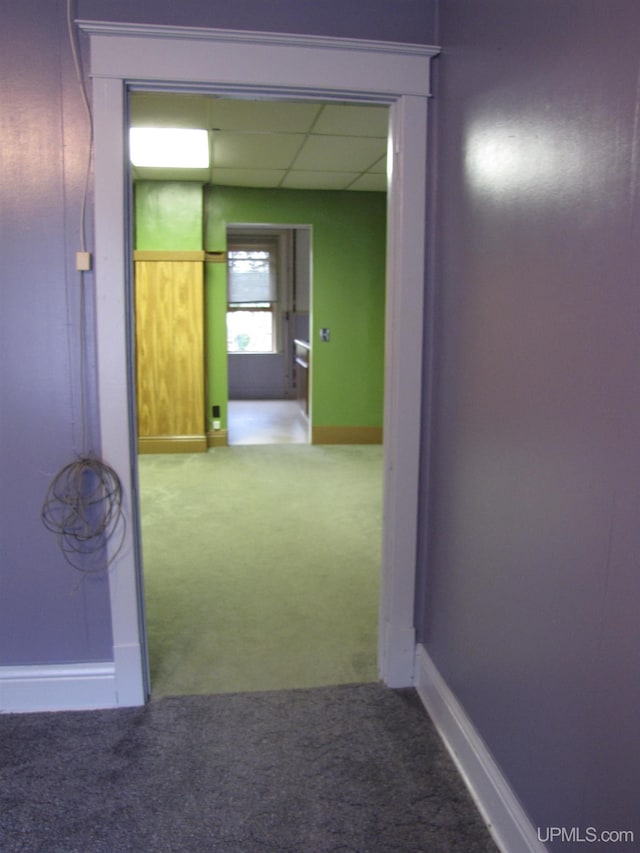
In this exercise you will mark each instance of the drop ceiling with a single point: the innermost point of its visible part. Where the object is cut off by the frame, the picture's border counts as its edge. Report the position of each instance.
(284, 144)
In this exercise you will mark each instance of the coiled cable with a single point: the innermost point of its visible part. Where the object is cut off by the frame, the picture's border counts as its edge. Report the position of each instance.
(83, 507)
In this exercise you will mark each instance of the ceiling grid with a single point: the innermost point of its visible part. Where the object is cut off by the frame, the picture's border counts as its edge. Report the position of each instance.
(273, 144)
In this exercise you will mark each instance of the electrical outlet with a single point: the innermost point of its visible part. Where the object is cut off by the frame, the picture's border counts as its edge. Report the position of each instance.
(83, 261)
(325, 335)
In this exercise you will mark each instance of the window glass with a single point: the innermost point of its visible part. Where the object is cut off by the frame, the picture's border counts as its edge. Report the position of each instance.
(252, 276)
(250, 328)
(252, 291)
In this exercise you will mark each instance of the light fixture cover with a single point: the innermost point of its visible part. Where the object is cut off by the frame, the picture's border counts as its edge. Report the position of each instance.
(176, 147)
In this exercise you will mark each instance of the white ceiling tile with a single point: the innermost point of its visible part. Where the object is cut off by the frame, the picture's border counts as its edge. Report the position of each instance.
(339, 153)
(248, 150)
(350, 120)
(159, 109)
(370, 183)
(247, 177)
(318, 180)
(380, 168)
(281, 117)
(260, 141)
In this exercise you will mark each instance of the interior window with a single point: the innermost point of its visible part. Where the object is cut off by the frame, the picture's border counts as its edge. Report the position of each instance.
(252, 296)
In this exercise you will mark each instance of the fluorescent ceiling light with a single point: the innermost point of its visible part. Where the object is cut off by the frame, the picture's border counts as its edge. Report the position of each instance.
(175, 147)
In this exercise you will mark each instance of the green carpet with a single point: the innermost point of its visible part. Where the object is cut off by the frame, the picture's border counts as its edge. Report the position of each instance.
(261, 567)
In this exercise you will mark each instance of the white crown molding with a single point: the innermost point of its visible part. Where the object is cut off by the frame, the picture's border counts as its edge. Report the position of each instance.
(210, 34)
(334, 67)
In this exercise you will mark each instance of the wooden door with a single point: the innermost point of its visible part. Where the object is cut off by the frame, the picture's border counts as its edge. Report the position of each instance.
(169, 306)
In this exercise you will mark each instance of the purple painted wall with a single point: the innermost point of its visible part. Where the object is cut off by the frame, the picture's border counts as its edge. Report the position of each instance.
(530, 605)
(389, 20)
(530, 601)
(45, 615)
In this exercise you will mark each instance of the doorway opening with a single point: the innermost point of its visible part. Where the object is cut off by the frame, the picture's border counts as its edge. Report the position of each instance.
(325, 593)
(123, 55)
(269, 298)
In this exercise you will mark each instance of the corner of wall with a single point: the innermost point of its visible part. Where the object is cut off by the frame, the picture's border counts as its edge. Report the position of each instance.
(507, 821)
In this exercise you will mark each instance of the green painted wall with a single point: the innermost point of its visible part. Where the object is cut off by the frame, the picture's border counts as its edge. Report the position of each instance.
(216, 340)
(168, 216)
(349, 236)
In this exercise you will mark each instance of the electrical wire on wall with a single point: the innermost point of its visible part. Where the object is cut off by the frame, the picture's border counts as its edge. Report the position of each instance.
(83, 505)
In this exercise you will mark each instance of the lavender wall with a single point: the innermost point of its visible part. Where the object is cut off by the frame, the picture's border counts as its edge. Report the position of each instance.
(390, 20)
(46, 613)
(531, 596)
(530, 606)
(45, 616)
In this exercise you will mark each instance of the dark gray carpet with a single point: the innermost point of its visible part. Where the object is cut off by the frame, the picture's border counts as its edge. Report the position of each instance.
(349, 768)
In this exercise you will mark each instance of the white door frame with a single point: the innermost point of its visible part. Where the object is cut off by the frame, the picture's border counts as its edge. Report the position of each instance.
(267, 66)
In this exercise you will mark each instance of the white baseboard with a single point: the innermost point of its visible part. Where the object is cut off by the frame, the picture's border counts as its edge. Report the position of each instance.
(396, 654)
(506, 819)
(65, 687)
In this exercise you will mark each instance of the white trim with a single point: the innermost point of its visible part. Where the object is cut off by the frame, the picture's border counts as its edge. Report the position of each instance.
(283, 62)
(507, 821)
(210, 34)
(118, 439)
(268, 66)
(404, 319)
(67, 687)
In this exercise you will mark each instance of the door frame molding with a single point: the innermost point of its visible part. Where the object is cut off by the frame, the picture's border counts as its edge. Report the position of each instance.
(265, 65)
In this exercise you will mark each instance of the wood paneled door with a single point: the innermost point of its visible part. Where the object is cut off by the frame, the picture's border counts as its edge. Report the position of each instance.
(170, 376)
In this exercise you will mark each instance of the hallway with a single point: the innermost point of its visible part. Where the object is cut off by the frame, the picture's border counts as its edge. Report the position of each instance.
(267, 422)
